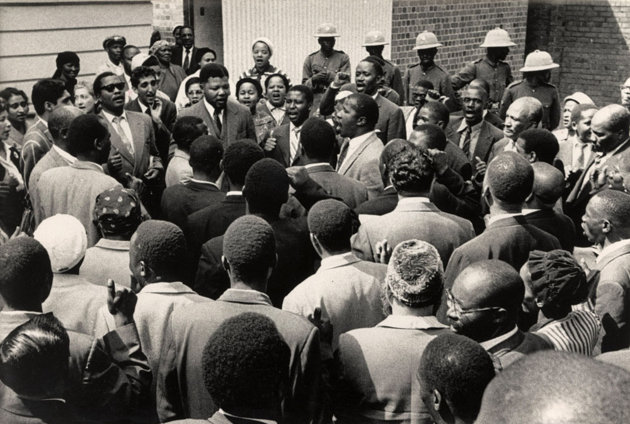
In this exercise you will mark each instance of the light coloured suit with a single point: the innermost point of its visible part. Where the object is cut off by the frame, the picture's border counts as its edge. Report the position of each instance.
(351, 191)
(107, 259)
(346, 289)
(37, 142)
(362, 165)
(413, 218)
(52, 159)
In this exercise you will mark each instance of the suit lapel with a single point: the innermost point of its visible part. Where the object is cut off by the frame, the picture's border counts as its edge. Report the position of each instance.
(137, 133)
(578, 190)
(347, 163)
(283, 142)
(484, 142)
(118, 143)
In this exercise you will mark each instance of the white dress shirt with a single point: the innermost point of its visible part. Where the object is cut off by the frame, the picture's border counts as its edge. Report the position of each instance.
(124, 124)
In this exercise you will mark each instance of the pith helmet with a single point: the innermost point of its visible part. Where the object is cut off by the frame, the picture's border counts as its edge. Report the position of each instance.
(497, 38)
(426, 40)
(326, 30)
(538, 60)
(374, 38)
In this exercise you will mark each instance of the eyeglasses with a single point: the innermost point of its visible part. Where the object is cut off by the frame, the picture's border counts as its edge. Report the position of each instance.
(111, 87)
(17, 105)
(454, 306)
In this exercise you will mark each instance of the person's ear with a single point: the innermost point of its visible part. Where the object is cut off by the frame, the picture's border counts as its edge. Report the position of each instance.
(316, 245)
(225, 264)
(63, 133)
(49, 106)
(607, 226)
(530, 197)
(573, 125)
(143, 268)
(361, 121)
(532, 157)
(436, 399)
(487, 196)
(221, 165)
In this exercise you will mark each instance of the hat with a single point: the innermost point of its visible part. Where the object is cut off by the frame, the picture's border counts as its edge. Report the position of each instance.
(114, 39)
(414, 274)
(65, 240)
(266, 41)
(497, 37)
(426, 40)
(374, 38)
(557, 278)
(343, 94)
(326, 30)
(66, 57)
(117, 210)
(538, 60)
(139, 59)
(158, 45)
(579, 98)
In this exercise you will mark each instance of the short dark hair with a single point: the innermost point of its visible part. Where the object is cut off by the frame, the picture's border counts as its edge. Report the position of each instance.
(98, 81)
(266, 186)
(307, 91)
(318, 139)
(139, 73)
(201, 52)
(576, 113)
(424, 84)
(411, 170)
(185, 130)
(191, 81)
(252, 81)
(213, 70)
(480, 83)
(548, 183)
(615, 206)
(331, 221)
(189, 27)
(460, 369)
(239, 158)
(249, 247)
(24, 270)
(4, 105)
(510, 178)
(365, 106)
(129, 46)
(377, 63)
(390, 151)
(162, 246)
(284, 79)
(435, 135)
(206, 153)
(46, 90)
(245, 363)
(177, 27)
(438, 110)
(34, 357)
(12, 91)
(84, 129)
(542, 142)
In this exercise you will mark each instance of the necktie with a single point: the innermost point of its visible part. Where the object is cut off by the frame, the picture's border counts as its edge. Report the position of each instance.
(578, 160)
(121, 133)
(343, 153)
(294, 145)
(466, 142)
(14, 156)
(217, 120)
(187, 60)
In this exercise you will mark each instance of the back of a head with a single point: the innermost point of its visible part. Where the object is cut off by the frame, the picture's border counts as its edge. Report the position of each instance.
(249, 247)
(548, 183)
(613, 205)
(206, 153)
(46, 90)
(34, 358)
(365, 106)
(245, 364)
(239, 158)
(318, 139)
(83, 131)
(532, 106)
(61, 118)
(187, 129)
(64, 238)
(497, 281)
(542, 142)
(266, 186)
(438, 111)
(118, 212)
(331, 221)
(550, 387)
(411, 171)
(459, 369)
(616, 117)
(162, 246)
(25, 271)
(432, 136)
(510, 178)
(213, 70)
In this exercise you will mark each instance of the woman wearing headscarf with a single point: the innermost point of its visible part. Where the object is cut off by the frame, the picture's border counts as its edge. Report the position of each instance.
(68, 67)
(11, 181)
(262, 50)
(556, 288)
(171, 76)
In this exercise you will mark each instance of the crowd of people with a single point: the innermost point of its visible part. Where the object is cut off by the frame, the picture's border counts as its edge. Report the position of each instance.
(413, 247)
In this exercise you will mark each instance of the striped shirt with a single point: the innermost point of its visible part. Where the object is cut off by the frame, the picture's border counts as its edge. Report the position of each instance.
(577, 332)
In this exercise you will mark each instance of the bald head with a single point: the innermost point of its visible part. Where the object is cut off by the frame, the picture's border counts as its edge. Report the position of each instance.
(548, 185)
(531, 106)
(557, 388)
(494, 282)
(509, 178)
(59, 122)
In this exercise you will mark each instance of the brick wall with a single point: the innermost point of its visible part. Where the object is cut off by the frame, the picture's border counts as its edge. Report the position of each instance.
(460, 26)
(589, 39)
(166, 15)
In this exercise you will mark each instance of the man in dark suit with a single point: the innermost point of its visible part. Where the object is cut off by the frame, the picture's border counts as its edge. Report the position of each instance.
(227, 120)
(484, 303)
(248, 253)
(266, 189)
(180, 200)
(184, 55)
(163, 112)
(508, 237)
(427, 135)
(539, 205)
(283, 144)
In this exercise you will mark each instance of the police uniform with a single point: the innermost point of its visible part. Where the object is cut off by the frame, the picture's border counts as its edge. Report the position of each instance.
(440, 79)
(546, 93)
(316, 63)
(393, 79)
(497, 75)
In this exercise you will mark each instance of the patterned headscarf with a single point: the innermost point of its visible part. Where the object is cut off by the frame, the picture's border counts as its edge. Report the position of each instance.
(117, 211)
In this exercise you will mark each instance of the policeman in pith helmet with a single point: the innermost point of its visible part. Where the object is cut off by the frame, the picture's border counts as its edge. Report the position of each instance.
(374, 44)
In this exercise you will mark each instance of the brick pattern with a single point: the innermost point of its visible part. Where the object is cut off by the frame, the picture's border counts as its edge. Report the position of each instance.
(460, 26)
(589, 41)
(166, 15)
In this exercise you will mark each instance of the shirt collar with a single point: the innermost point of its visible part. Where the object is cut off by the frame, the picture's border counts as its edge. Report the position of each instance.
(245, 296)
(489, 344)
(474, 128)
(209, 107)
(258, 420)
(356, 141)
(336, 261)
(411, 322)
(412, 202)
(293, 128)
(495, 218)
(167, 288)
(530, 211)
(81, 164)
(612, 247)
(143, 107)
(122, 245)
(315, 165)
(272, 107)
(67, 156)
(203, 183)
(234, 193)
(181, 154)
(110, 117)
(44, 123)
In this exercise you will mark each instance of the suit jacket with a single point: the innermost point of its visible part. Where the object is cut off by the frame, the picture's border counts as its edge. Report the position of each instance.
(413, 219)
(488, 136)
(178, 56)
(556, 224)
(362, 165)
(17, 410)
(237, 121)
(107, 259)
(144, 147)
(261, 107)
(52, 159)
(180, 200)
(517, 346)
(352, 192)
(384, 203)
(282, 151)
(508, 239)
(346, 289)
(180, 387)
(37, 142)
(377, 382)
(168, 116)
(457, 160)
(218, 418)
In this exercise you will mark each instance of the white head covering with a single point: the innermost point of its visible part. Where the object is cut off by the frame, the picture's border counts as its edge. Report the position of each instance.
(65, 240)
(266, 41)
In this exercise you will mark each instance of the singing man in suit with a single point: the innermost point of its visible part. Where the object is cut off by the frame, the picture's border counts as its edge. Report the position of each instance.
(360, 154)
(226, 119)
(184, 55)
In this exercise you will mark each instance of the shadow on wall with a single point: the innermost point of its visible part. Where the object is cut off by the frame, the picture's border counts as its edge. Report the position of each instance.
(589, 39)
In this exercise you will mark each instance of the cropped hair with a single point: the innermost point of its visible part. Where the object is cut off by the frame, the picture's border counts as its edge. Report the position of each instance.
(139, 73)
(318, 139)
(510, 178)
(438, 110)
(239, 157)
(162, 246)
(213, 70)
(284, 79)
(542, 142)
(83, 130)
(186, 130)
(46, 90)
(206, 153)
(377, 63)
(251, 81)
(249, 247)
(202, 51)
(307, 91)
(365, 106)
(8, 92)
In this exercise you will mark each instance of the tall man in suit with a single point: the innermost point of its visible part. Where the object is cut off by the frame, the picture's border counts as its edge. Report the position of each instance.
(360, 154)
(249, 256)
(484, 303)
(227, 120)
(184, 55)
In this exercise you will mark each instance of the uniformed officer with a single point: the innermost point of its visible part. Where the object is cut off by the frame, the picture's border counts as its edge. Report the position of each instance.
(426, 46)
(492, 68)
(536, 74)
(374, 44)
(321, 66)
